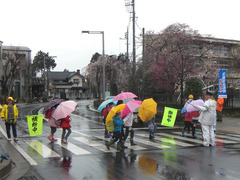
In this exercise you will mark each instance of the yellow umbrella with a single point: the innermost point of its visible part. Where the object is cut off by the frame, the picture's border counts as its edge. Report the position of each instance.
(0, 106)
(113, 111)
(147, 109)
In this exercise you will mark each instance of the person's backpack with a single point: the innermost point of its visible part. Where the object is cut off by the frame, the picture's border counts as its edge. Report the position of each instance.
(110, 126)
(104, 112)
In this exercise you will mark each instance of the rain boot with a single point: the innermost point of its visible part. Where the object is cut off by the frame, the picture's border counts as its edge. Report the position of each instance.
(132, 143)
(119, 146)
(109, 144)
(123, 146)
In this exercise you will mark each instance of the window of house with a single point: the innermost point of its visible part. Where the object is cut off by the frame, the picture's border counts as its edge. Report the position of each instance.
(76, 81)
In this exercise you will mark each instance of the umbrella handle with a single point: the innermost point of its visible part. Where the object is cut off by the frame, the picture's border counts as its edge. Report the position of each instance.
(185, 101)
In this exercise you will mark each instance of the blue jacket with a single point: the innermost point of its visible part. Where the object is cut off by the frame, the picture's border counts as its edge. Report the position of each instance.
(117, 121)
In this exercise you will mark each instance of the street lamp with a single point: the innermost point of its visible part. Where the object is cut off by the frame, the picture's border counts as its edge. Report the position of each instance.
(103, 55)
(46, 74)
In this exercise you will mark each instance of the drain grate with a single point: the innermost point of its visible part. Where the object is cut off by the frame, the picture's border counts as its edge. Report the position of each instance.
(28, 178)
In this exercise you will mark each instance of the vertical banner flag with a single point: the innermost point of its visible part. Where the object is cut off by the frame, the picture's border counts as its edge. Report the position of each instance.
(169, 117)
(35, 124)
(222, 84)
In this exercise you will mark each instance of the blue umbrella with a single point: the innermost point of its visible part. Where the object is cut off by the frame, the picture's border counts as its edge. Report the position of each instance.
(105, 103)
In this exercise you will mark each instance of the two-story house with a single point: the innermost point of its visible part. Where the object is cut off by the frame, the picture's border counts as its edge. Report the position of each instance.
(66, 85)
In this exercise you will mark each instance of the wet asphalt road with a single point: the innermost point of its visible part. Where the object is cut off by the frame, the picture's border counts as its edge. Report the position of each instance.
(169, 156)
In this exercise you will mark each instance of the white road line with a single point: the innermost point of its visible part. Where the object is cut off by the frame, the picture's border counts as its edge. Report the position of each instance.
(155, 144)
(182, 138)
(228, 137)
(73, 148)
(43, 150)
(135, 147)
(94, 144)
(19, 149)
(168, 140)
(197, 140)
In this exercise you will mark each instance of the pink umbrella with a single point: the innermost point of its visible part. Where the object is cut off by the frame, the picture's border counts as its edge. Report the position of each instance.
(190, 108)
(124, 95)
(64, 109)
(130, 107)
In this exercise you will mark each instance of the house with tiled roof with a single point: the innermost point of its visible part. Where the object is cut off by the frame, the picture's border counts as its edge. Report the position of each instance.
(66, 85)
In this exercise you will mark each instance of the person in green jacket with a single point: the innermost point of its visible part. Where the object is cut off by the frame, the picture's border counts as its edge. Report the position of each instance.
(9, 114)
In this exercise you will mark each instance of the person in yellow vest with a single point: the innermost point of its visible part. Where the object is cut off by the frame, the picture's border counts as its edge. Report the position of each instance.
(9, 114)
(219, 108)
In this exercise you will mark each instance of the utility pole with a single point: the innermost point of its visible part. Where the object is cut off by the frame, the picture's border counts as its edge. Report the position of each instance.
(127, 44)
(143, 52)
(134, 51)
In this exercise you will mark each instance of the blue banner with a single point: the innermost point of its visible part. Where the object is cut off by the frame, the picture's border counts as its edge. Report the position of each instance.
(222, 84)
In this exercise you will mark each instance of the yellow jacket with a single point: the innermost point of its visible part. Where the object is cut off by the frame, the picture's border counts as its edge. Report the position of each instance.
(4, 112)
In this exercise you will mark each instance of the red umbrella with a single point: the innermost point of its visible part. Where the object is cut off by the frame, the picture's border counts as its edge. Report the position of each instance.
(64, 109)
(124, 95)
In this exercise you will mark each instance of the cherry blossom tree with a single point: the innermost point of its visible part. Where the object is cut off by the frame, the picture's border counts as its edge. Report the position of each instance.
(174, 56)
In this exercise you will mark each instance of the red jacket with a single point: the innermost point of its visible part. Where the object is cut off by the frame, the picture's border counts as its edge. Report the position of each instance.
(188, 116)
(66, 123)
(48, 113)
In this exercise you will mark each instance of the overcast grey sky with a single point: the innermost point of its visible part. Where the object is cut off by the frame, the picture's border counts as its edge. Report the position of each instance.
(55, 26)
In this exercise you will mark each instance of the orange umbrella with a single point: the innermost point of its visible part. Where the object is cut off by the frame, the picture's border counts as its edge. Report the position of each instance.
(113, 111)
(147, 109)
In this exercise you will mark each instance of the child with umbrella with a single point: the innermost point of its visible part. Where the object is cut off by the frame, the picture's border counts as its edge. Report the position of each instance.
(118, 122)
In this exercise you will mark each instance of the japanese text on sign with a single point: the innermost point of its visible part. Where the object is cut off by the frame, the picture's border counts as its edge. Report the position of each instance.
(35, 125)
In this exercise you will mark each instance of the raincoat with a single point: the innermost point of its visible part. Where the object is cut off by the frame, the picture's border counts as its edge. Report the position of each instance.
(206, 118)
(117, 123)
(66, 123)
(4, 113)
(51, 121)
(220, 103)
(208, 112)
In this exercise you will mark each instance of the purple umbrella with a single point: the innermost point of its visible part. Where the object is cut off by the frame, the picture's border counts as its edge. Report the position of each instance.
(51, 104)
(190, 108)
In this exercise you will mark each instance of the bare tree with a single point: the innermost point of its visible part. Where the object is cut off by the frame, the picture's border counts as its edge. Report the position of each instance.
(12, 64)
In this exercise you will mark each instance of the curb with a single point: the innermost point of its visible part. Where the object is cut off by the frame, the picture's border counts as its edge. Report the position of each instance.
(5, 165)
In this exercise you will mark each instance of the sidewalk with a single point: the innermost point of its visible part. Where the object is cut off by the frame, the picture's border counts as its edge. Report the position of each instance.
(229, 125)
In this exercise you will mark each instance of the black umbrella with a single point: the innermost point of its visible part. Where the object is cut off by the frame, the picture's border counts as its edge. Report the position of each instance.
(51, 104)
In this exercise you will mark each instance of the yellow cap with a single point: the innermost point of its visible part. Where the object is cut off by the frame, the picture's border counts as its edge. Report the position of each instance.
(190, 96)
(10, 98)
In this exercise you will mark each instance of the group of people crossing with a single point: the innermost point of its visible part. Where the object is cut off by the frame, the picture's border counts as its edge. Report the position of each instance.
(206, 115)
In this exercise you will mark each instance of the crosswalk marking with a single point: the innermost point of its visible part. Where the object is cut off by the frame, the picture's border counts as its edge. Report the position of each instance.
(147, 142)
(163, 141)
(43, 150)
(169, 141)
(94, 144)
(199, 140)
(19, 149)
(179, 137)
(73, 148)
(136, 147)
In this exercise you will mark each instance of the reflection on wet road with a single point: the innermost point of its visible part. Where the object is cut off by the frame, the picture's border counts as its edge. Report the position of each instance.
(168, 156)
